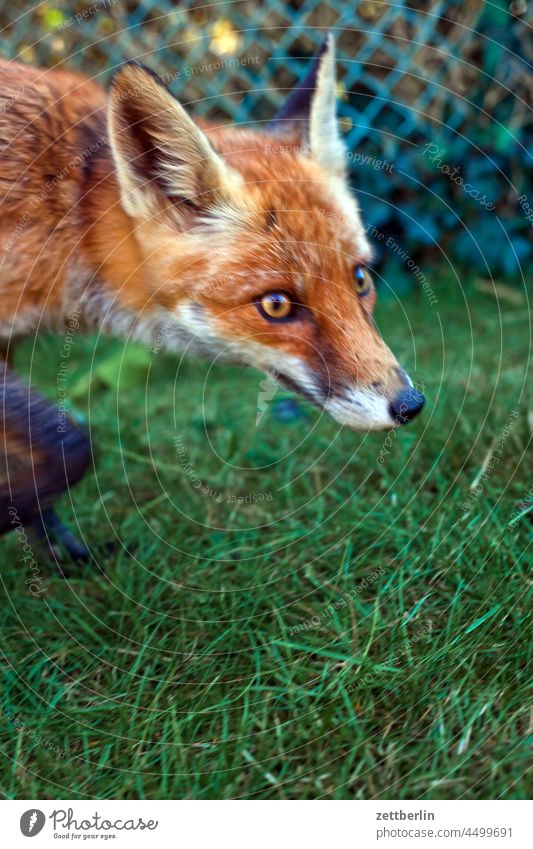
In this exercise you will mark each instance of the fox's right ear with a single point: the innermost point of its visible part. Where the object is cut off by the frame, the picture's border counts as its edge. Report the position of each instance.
(310, 112)
(162, 158)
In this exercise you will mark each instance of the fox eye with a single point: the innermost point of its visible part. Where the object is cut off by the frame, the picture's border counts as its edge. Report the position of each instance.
(362, 280)
(276, 306)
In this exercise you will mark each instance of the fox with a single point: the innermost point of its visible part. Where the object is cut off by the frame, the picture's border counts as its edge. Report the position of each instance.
(243, 243)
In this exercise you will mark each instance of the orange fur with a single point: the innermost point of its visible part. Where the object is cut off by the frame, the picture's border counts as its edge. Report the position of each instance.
(215, 219)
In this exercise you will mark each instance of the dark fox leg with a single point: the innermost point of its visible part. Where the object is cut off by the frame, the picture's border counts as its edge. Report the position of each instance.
(42, 454)
(57, 537)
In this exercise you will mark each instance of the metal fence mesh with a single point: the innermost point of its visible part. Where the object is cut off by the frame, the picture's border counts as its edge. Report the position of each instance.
(398, 67)
(410, 72)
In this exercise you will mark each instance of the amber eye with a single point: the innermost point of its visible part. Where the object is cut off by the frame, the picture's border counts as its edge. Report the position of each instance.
(362, 280)
(275, 306)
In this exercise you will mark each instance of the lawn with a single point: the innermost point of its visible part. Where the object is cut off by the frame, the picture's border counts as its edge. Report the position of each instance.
(292, 610)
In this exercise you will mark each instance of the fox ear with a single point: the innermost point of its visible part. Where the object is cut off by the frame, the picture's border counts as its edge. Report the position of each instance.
(162, 157)
(311, 112)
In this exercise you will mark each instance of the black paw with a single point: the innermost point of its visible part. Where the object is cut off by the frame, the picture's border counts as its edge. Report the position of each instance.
(62, 545)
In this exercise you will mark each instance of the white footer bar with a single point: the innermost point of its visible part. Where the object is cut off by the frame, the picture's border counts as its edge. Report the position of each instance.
(267, 824)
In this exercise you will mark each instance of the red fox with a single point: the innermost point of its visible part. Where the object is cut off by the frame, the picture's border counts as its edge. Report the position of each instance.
(225, 241)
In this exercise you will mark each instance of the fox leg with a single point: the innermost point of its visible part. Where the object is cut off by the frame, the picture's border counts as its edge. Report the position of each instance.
(57, 537)
(42, 454)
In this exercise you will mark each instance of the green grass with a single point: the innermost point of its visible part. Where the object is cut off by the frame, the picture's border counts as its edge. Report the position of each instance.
(356, 635)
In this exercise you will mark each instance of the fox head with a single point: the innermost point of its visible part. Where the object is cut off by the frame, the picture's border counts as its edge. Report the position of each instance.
(253, 245)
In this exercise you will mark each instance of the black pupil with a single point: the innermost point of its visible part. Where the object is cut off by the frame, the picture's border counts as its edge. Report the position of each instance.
(360, 275)
(277, 302)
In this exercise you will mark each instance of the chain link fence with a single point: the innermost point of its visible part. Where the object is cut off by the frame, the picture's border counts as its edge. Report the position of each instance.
(434, 99)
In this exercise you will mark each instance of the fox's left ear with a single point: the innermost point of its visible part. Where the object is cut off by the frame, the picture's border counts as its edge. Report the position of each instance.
(163, 160)
(310, 112)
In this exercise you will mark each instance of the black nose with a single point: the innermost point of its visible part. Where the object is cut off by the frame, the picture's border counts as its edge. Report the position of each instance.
(406, 405)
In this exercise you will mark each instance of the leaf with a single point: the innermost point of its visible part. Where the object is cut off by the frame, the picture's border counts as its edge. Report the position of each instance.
(124, 368)
(483, 618)
(53, 19)
(416, 608)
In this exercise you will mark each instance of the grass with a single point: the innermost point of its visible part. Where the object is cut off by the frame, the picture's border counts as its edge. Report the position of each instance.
(349, 631)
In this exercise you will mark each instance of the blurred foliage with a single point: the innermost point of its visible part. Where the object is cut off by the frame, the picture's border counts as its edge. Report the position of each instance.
(455, 189)
(414, 78)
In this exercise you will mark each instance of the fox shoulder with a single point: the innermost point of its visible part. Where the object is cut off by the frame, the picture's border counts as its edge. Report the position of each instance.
(46, 118)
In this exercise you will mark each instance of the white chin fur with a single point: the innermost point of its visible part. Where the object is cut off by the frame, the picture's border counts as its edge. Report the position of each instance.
(361, 411)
